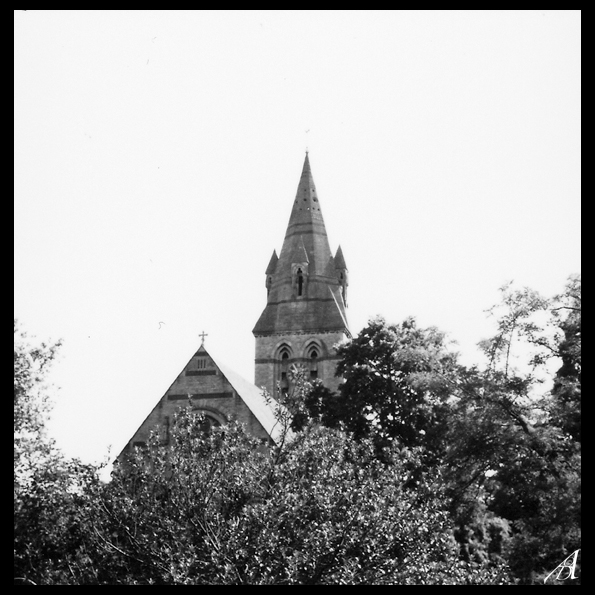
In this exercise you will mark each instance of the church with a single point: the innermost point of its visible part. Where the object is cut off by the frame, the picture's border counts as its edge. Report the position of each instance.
(304, 317)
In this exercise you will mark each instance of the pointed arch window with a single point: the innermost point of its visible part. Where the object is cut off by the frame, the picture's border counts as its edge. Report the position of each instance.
(299, 277)
(284, 355)
(284, 362)
(313, 352)
(313, 364)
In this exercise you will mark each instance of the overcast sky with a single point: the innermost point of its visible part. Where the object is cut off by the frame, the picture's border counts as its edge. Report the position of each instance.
(158, 153)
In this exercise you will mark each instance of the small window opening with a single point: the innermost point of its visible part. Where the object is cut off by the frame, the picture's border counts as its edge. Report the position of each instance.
(313, 364)
(284, 363)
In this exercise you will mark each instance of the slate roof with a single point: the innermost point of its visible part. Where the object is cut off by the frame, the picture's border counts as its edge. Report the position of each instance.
(263, 410)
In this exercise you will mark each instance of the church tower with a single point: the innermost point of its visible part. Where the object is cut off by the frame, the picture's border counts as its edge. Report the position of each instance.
(305, 313)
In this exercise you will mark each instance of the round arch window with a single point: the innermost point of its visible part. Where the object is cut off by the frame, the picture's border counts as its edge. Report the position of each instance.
(208, 423)
(209, 420)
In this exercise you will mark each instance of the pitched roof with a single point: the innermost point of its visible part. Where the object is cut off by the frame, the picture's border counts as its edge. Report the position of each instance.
(262, 409)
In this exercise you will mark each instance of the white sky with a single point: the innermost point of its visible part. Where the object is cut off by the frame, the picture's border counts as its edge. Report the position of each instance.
(157, 155)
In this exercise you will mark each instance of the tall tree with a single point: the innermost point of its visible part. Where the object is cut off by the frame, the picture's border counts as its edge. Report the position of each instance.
(397, 380)
(566, 392)
(49, 523)
(506, 444)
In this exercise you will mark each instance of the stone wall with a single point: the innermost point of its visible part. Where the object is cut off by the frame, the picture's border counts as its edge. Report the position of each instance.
(211, 394)
(268, 362)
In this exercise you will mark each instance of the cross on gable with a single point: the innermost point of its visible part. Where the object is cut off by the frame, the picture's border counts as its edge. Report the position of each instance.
(202, 336)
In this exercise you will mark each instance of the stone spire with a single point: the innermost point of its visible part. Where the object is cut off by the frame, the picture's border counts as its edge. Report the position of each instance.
(272, 264)
(305, 314)
(298, 288)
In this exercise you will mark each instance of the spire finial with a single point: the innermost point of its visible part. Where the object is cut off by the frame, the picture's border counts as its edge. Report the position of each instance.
(306, 162)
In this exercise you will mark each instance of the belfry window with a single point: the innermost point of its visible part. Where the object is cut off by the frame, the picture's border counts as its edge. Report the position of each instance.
(300, 281)
(284, 360)
(313, 363)
(282, 378)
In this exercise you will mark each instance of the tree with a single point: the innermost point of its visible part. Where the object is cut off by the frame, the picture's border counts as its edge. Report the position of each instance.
(397, 380)
(48, 521)
(32, 403)
(566, 392)
(545, 331)
(513, 442)
(217, 509)
(419, 471)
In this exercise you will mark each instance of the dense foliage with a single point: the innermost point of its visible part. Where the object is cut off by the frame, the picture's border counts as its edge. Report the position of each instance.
(419, 471)
(49, 490)
(220, 510)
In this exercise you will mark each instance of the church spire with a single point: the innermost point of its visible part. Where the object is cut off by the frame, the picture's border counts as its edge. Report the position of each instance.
(305, 314)
(304, 271)
(305, 206)
(306, 226)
